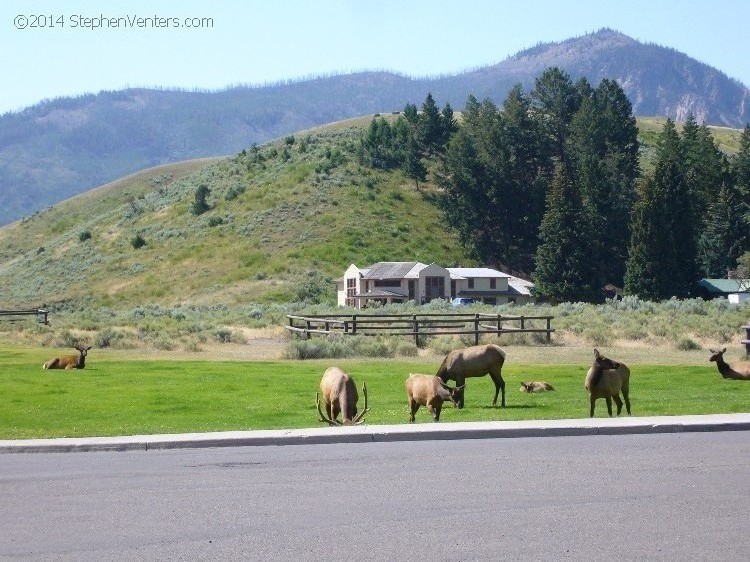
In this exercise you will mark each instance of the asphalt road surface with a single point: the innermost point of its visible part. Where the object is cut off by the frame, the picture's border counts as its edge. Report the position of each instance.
(631, 497)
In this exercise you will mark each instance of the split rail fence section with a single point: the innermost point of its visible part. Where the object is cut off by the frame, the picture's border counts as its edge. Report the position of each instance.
(41, 315)
(419, 325)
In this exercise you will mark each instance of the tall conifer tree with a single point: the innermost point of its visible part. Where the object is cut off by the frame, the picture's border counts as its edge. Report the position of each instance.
(566, 269)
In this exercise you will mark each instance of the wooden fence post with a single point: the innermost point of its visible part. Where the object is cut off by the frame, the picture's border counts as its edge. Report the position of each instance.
(307, 329)
(549, 329)
(476, 329)
(416, 330)
(354, 325)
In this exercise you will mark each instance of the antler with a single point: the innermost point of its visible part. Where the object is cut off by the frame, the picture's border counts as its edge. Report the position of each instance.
(358, 419)
(323, 417)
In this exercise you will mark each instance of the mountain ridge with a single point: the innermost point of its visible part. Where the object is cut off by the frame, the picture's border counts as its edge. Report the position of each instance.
(58, 148)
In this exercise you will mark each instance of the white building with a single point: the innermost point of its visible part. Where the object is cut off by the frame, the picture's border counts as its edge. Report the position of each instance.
(388, 282)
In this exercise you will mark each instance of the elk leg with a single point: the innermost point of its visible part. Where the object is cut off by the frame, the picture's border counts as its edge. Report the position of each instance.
(499, 385)
(626, 396)
(617, 400)
(413, 407)
(435, 411)
(609, 405)
(593, 402)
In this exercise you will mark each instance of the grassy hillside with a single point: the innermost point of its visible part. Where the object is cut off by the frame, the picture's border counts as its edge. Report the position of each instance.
(282, 215)
(285, 218)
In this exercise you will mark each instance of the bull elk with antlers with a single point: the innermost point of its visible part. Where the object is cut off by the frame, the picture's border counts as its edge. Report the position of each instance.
(340, 397)
(69, 361)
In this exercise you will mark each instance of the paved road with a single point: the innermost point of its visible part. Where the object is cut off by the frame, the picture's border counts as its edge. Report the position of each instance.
(627, 497)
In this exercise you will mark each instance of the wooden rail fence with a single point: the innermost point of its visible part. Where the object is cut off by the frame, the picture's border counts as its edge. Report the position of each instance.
(418, 325)
(41, 314)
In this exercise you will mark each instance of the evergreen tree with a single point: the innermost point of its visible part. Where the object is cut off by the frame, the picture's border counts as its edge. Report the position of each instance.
(566, 269)
(414, 168)
(200, 205)
(430, 126)
(723, 238)
(448, 124)
(741, 166)
(555, 99)
(644, 274)
(662, 259)
(604, 140)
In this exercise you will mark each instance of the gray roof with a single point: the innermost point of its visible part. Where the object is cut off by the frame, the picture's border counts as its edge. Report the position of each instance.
(475, 272)
(380, 294)
(391, 269)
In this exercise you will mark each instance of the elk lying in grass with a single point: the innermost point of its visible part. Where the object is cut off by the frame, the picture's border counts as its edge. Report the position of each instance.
(475, 361)
(340, 397)
(535, 386)
(69, 361)
(606, 379)
(737, 371)
(430, 391)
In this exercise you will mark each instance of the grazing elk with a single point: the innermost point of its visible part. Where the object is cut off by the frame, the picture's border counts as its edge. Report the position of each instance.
(737, 371)
(475, 361)
(430, 391)
(606, 379)
(340, 397)
(69, 361)
(535, 386)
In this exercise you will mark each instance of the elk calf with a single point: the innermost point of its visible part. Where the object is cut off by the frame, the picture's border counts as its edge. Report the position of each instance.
(430, 391)
(340, 397)
(475, 361)
(69, 361)
(535, 386)
(737, 371)
(605, 379)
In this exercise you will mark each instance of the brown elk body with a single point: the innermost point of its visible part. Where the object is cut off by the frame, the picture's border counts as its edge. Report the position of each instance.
(69, 361)
(535, 386)
(340, 396)
(430, 391)
(737, 371)
(606, 379)
(475, 361)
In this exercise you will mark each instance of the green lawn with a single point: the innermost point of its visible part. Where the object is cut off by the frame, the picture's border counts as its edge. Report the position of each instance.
(119, 397)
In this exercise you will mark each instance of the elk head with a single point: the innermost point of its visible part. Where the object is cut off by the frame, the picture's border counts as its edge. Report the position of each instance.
(356, 420)
(717, 356)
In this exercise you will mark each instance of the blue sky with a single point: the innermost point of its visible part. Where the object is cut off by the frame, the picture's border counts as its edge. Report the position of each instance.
(255, 41)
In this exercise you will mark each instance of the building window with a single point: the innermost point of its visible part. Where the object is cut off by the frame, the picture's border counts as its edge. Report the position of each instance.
(434, 288)
(351, 290)
(387, 282)
(493, 283)
(471, 282)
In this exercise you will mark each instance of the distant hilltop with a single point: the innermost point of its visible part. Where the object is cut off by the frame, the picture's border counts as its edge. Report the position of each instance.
(59, 148)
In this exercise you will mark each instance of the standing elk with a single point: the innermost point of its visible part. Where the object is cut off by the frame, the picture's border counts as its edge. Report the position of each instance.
(69, 361)
(605, 379)
(340, 397)
(430, 391)
(737, 371)
(535, 386)
(475, 361)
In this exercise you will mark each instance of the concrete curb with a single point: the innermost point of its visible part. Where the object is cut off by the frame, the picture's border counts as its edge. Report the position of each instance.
(387, 433)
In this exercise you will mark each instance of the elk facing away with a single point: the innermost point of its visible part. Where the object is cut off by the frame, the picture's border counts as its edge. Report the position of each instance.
(69, 361)
(340, 397)
(737, 371)
(605, 379)
(475, 361)
(430, 391)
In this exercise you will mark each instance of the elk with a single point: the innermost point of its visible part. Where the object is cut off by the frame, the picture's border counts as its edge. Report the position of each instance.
(69, 361)
(340, 397)
(475, 361)
(535, 386)
(605, 379)
(430, 391)
(737, 371)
